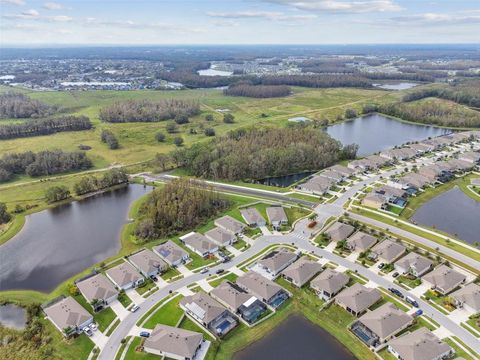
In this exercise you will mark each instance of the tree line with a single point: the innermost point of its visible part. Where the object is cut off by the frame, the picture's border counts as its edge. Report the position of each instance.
(148, 111)
(90, 183)
(257, 91)
(42, 163)
(38, 127)
(180, 205)
(16, 105)
(247, 154)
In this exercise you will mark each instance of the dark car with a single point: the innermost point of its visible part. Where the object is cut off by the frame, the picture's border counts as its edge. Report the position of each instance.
(219, 271)
(381, 265)
(395, 274)
(396, 292)
(154, 278)
(145, 334)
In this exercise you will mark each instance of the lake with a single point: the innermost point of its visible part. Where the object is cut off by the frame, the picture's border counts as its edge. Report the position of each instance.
(398, 86)
(284, 181)
(13, 316)
(452, 212)
(376, 132)
(58, 243)
(296, 339)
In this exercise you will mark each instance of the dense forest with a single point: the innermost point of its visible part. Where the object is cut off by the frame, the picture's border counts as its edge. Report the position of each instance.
(41, 163)
(466, 93)
(38, 127)
(90, 183)
(257, 91)
(180, 205)
(15, 105)
(433, 111)
(260, 153)
(148, 111)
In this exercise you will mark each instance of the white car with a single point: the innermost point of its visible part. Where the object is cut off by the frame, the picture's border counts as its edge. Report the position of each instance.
(134, 308)
(93, 326)
(87, 331)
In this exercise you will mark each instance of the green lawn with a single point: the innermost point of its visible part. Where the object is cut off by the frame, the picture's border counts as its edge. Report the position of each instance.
(458, 350)
(147, 286)
(170, 273)
(239, 244)
(230, 276)
(133, 354)
(474, 321)
(153, 309)
(122, 348)
(386, 355)
(409, 281)
(168, 314)
(113, 327)
(124, 300)
(102, 318)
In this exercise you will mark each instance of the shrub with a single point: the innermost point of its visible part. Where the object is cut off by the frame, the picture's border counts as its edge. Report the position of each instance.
(209, 132)
(228, 118)
(178, 141)
(160, 137)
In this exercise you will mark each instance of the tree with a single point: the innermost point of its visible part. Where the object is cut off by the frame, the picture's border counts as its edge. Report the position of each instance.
(178, 141)
(57, 193)
(109, 138)
(209, 132)
(209, 117)
(181, 119)
(163, 161)
(4, 215)
(171, 128)
(160, 137)
(228, 118)
(350, 114)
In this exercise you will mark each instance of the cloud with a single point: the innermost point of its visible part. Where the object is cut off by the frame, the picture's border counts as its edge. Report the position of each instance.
(33, 14)
(225, 23)
(13, 2)
(52, 6)
(269, 15)
(438, 19)
(341, 6)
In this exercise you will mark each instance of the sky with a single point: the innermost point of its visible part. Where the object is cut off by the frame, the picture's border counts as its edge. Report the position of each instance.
(147, 22)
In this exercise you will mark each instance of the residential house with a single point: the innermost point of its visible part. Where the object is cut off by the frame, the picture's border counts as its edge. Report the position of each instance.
(97, 290)
(414, 264)
(387, 251)
(375, 201)
(339, 231)
(471, 157)
(444, 279)
(209, 312)
(420, 344)
(459, 166)
(173, 343)
(316, 185)
(277, 216)
(199, 244)
(403, 153)
(420, 148)
(173, 254)
(277, 260)
(468, 297)
(148, 263)
(221, 237)
(239, 301)
(360, 241)
(68, 316)
(264, 289)
(231, 224)
(125, 276)
(329, 283)
(357, 298)
(361, 165)
(394, 196)
(413, 180)
(343, 170)
(381, 324)
(253, 217)
(332, 175)
(301, 271)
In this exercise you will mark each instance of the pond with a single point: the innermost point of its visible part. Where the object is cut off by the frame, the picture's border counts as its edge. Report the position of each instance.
(376, 132)
(13, 316)
(58, 243)
(284, 181)
(452, 212)
(296, 338)
(397, 86)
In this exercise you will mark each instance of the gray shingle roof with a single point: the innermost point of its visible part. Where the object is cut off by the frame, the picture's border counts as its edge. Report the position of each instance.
(339, 231)
(252, 216)
(330, 281)
(229, 223)
(173, 340)
(388, 250)
(147, 261)
(276, 260)
(203, 306)
(444, 278)
(67, 313)
(421, 344)
(231, 294)
(276, 214)
(386, 320)
(199, 242)
(220, 236)
(358, 297)
(361, 241)
(97, 287)
(302, 270)
(123, 274)
(469, 294)
(413, 260)
(258, 285)
(171, 251)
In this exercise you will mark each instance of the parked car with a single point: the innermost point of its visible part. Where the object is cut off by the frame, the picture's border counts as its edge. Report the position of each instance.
(134, 308)
(396, 292)
(226, 259)
(419, 312)
(395, 274)
(381, 265)
(411, 301)
(154, 278)
(145, 334)
(87, 331)
(93, 326)
(219, 271)
(204, 271)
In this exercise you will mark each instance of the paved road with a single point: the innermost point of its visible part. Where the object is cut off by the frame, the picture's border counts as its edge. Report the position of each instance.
(237, 189)
(432, 244)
